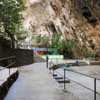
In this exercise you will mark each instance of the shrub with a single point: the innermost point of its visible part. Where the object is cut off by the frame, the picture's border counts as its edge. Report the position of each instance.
(88, 54)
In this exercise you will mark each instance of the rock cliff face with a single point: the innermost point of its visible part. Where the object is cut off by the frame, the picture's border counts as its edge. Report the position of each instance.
(74, 19)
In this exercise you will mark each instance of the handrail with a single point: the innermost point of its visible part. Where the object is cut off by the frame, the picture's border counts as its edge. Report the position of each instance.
(90, 76)
(5, 58)
(95, 83)
(79, 84)
(8, 58)
(81, 73)
(10, 64)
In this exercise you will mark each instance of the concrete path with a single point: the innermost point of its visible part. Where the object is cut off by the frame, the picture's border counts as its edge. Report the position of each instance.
(36, 83)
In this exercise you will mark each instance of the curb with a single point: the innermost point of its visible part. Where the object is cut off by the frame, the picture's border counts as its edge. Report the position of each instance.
(4, 88)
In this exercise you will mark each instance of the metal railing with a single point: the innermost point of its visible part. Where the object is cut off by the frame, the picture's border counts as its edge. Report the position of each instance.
(95, 81)
(64, 76)
(7, 62)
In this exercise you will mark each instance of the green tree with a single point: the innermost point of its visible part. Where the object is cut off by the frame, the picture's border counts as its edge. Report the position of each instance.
(11, 17)
(56, 41)
(43, 39)
(70, 45)
(88, 54)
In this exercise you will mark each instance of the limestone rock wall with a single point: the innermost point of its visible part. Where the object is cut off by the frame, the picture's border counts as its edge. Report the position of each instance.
(75, 19)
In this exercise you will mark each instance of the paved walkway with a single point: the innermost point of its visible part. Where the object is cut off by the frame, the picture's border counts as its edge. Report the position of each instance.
(36, 83)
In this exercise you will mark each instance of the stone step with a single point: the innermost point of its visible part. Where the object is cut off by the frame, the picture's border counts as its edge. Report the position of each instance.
(62, 81)
(57, 78)
(54, 75)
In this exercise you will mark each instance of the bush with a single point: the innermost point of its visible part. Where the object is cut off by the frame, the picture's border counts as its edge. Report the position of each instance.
(88, 54)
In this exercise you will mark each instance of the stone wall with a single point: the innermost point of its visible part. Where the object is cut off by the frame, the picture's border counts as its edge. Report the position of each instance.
(23, 57)
(5, 50)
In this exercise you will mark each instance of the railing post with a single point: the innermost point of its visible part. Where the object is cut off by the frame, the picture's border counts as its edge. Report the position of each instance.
(94, 88)
(64, 79)
(47, 61)
(9, 71)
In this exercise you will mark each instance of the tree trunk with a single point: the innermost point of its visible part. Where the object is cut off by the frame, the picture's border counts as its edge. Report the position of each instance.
(12, 41)
(12, 38)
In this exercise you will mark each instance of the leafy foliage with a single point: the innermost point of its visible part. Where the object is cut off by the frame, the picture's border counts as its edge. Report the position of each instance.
(43, 39)
(88, 54)
(56, 41)
(11, 16)
(70, 44)
(60, 44)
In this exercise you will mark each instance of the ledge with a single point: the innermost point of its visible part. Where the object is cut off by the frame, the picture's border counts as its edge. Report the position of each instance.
(4, 88)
